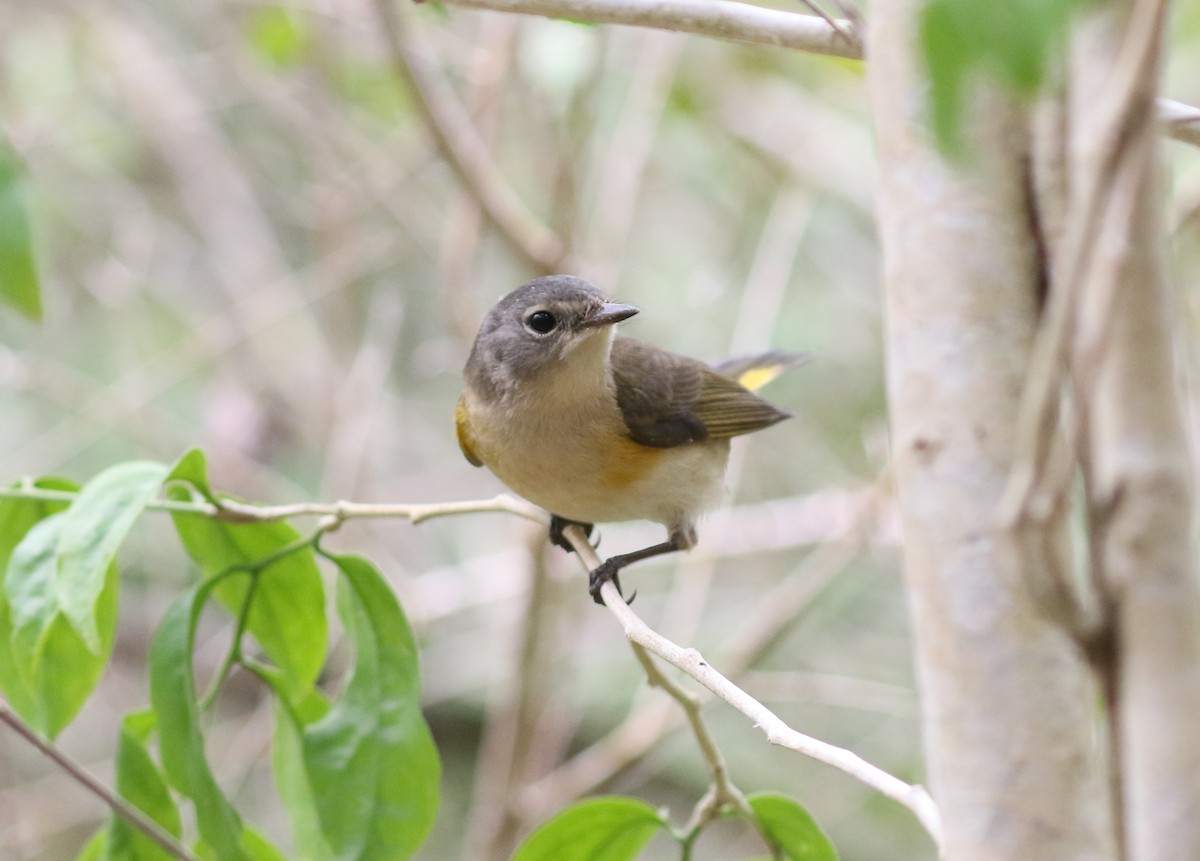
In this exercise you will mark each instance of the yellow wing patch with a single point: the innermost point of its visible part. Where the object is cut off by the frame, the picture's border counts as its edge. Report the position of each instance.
(754, 372)
(462, 430)
(755, 378)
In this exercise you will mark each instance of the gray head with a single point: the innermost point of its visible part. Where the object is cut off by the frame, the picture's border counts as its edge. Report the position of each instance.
(537, 326)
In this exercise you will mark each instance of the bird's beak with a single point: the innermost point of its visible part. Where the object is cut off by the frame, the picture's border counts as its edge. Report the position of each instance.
(608, 314)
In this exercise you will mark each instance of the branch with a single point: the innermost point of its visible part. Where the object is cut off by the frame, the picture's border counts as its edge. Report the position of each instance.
(722, 793)
(775, 613)
(233, 511)
(721, 19)
(690, 661)
(1180, 121)
(723, 789)
(88, 781)
(756, 25)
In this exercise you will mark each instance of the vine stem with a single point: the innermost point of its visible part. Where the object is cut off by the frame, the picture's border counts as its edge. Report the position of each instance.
(88, 781)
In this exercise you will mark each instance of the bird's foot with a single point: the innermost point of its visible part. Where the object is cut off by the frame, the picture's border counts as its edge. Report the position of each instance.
(607, 570)
(558, 524)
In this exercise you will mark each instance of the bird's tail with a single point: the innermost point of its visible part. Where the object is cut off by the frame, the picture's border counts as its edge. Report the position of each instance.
(754, 372)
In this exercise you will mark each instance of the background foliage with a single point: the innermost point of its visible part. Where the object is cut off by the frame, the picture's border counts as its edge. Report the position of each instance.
(247, 242)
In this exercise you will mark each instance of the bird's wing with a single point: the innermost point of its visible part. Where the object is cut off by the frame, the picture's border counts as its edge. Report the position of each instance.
(462, 430)
(668, 400)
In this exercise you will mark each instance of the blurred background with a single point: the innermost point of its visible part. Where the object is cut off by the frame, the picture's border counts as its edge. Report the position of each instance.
(251, 242)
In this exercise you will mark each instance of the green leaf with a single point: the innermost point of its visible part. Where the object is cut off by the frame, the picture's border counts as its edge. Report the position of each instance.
(259, 848)
(253, 843)
(140, 782)
(50, 669)
(1016, 43)
(791, 827)
(181, 742)
(287, 759)
(948, 60)
(59, 613)
(279, 35)
(360, 777)
(17, 517)
(291, 781)
(609, 828)
(95, 848)
(287, 617)
(18, 272)
(93, 528)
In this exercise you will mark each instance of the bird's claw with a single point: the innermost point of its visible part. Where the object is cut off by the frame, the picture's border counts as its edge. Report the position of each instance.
(600, 575)
(559, 524)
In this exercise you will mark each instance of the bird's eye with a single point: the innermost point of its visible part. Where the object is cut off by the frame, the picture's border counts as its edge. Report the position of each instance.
(541, 322)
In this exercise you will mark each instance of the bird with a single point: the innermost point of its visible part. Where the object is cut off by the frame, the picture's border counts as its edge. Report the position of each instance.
(597, 427)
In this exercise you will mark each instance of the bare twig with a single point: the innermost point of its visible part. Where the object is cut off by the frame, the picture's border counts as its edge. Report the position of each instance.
(722, 793)
(722, 19)
(755, 25)
(1180, 121)
(824, 16)
(777, 611)
(230, 510)
(691, 662)
(722, 785)
(84, 778)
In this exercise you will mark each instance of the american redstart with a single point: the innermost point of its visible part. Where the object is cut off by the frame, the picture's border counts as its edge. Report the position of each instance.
(597, 427)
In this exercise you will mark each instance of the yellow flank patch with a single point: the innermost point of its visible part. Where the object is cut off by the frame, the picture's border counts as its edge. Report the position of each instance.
(755, 378)
(463, 431)
(627, 462)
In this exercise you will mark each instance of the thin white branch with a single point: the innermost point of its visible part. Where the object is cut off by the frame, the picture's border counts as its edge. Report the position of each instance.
(692, 663)
(756, 25)
(721, 19)
(1180, 121)
(231, 510)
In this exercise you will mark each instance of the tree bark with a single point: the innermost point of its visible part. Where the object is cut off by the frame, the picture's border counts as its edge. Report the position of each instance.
(1007, 698)
(1138, 466)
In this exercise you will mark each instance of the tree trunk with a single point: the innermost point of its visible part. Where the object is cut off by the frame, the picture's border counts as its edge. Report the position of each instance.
(1008, 703)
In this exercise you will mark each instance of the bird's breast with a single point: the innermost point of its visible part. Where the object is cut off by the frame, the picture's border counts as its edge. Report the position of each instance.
(571, 454)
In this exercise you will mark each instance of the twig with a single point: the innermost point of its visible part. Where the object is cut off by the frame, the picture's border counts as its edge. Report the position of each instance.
(692, 663)
(722, 19)
(691, 708)
(756, 25)
(824, 16)
(722, 793)
(1180, 121)
(233, 511)
(467, 154)
(84, 778)
(774, 615)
